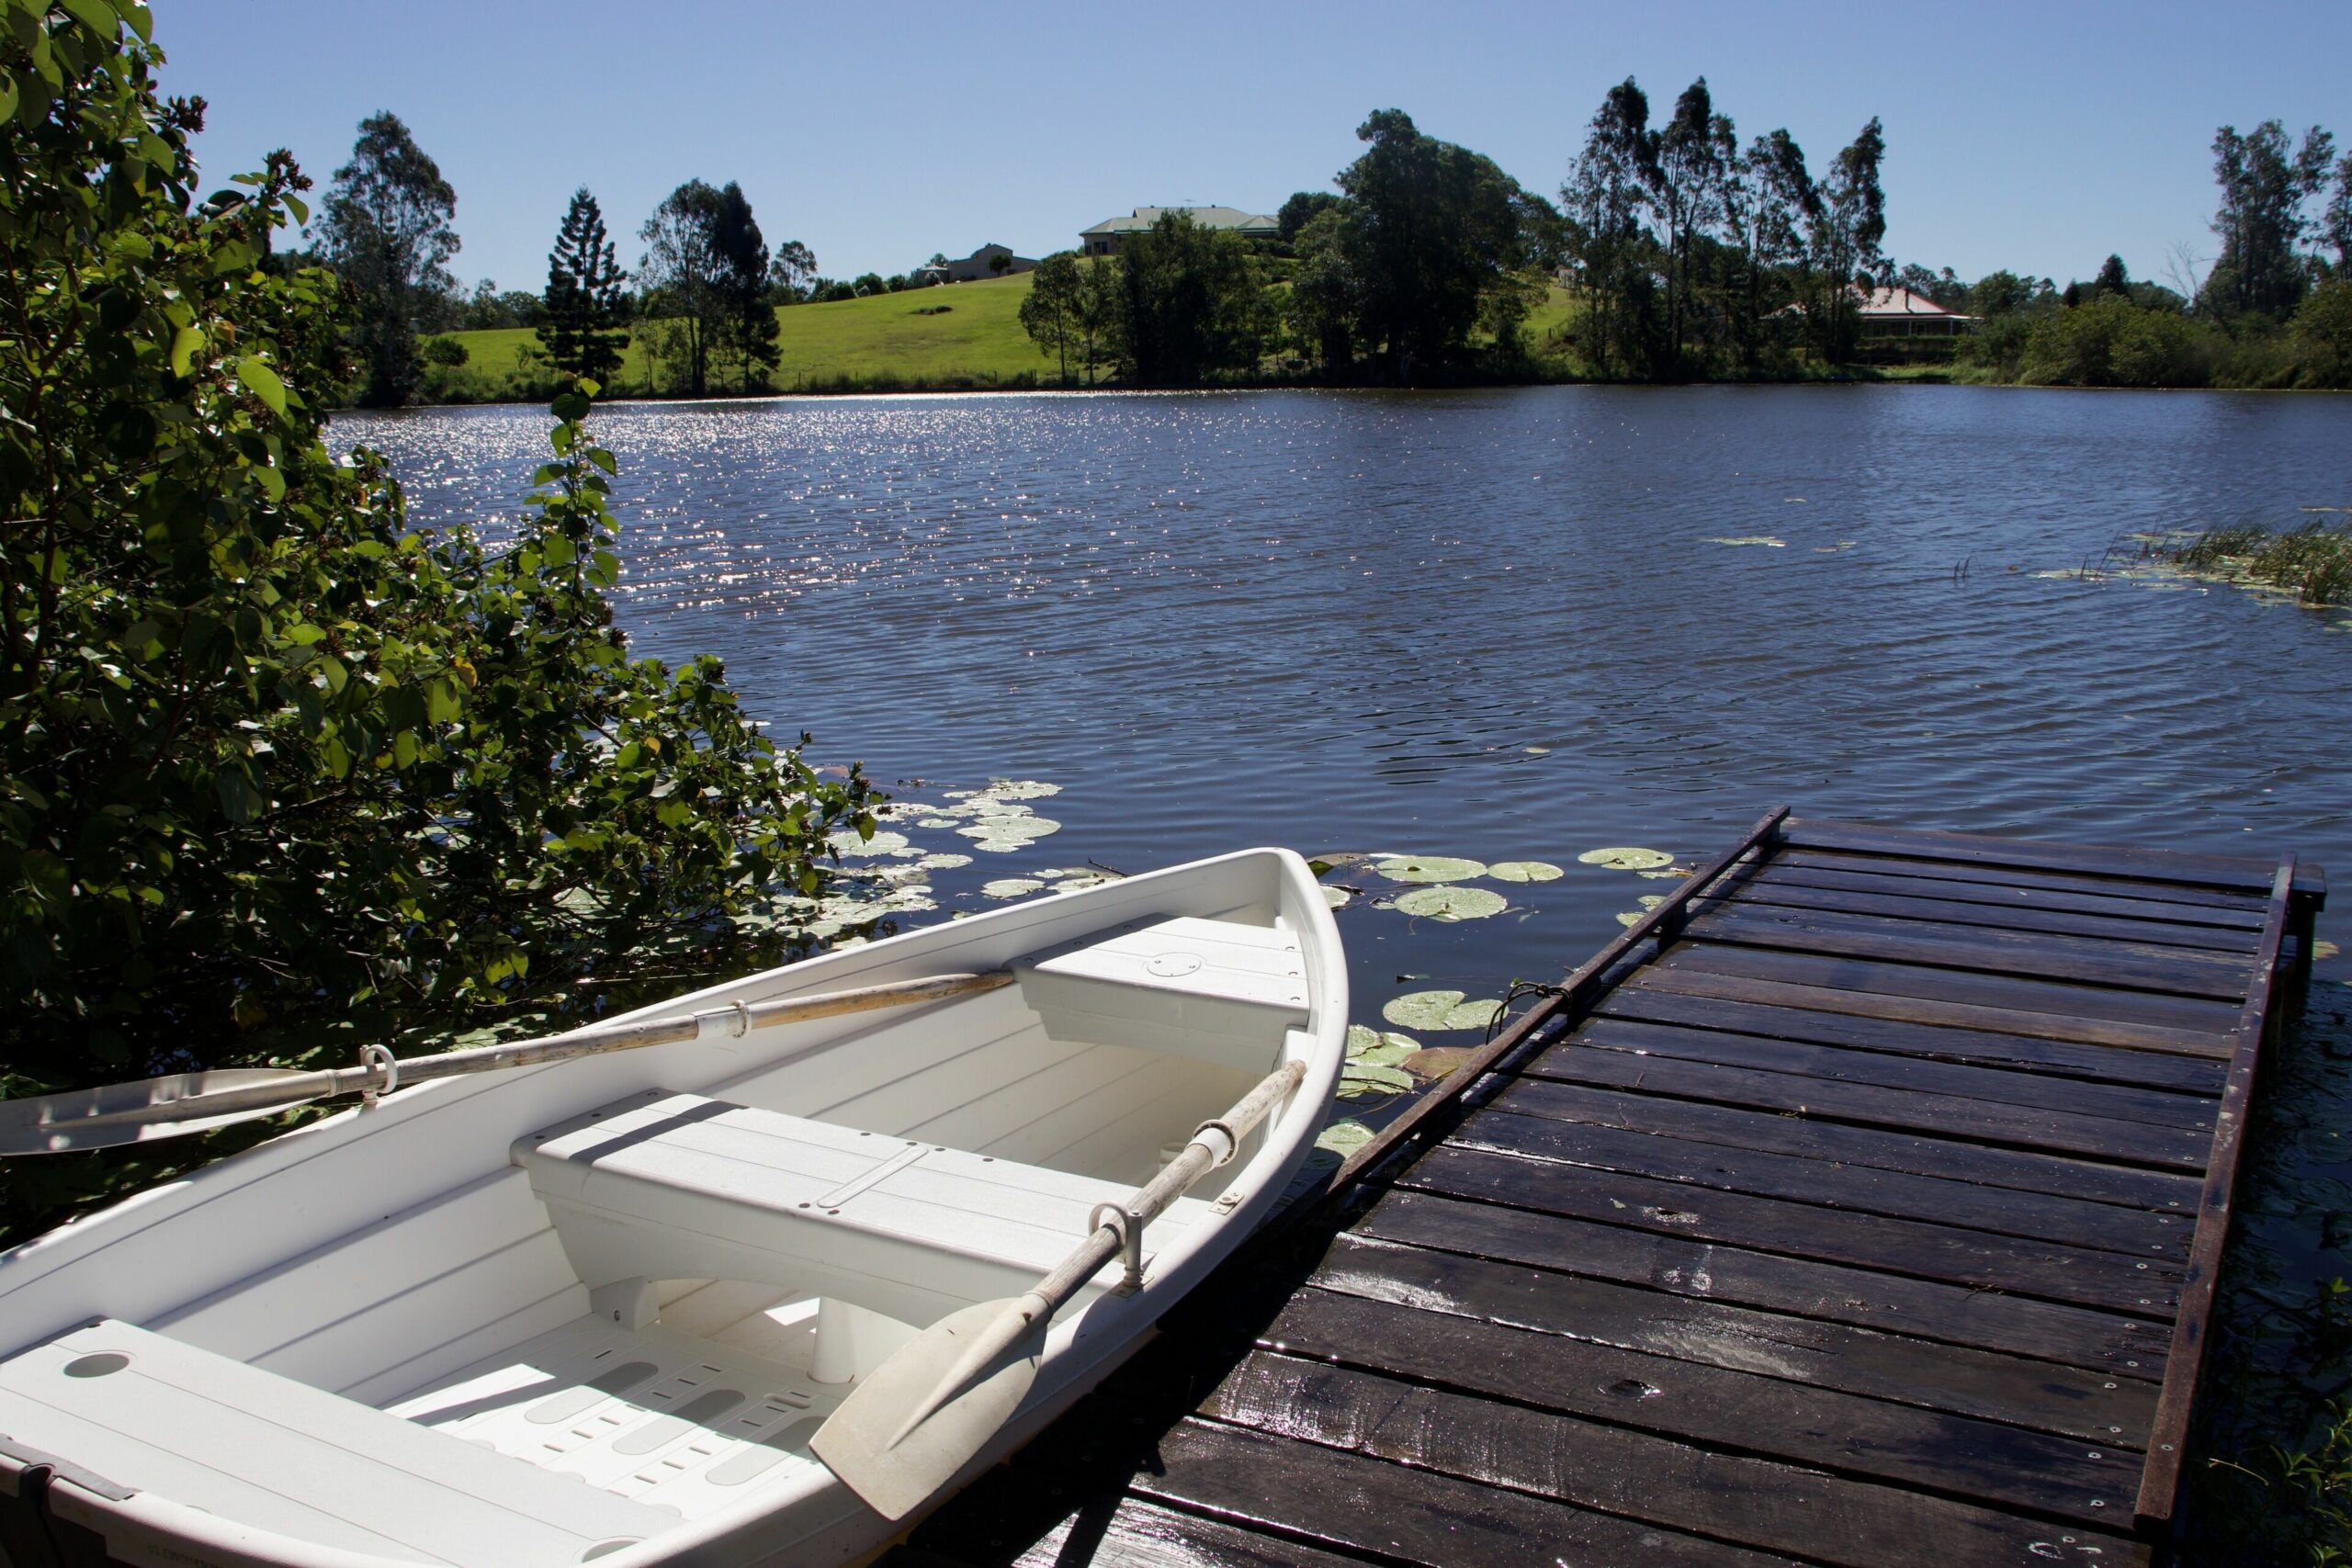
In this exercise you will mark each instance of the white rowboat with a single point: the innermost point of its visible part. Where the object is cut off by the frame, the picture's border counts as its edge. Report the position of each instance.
(601, 1308)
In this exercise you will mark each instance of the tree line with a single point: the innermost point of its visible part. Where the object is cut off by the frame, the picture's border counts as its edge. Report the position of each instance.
(1684, 253)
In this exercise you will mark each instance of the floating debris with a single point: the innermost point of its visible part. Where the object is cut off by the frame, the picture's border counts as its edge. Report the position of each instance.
(1438, 1011)
(1452, 903)
(1431, 868)
(1764, 539)
(1525, 871)
(1626, 859)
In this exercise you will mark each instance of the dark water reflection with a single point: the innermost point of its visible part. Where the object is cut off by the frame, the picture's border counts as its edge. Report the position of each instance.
(1494, 624)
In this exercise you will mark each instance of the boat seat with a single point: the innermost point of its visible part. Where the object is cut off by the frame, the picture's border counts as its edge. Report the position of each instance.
(156, 1416)
(666, 1186)
(1219, 991)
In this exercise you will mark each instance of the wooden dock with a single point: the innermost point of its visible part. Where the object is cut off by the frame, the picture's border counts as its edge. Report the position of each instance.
(1863, 1205)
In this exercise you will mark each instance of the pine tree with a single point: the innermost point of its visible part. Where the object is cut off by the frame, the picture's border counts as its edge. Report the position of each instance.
(584, 295)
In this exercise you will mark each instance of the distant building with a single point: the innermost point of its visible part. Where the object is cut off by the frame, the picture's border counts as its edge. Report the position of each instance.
(980, 264)
(1898, 312)
(1106, 237)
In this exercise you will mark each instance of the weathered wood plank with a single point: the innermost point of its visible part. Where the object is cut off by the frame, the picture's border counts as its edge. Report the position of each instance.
(2065, 1222)
(2161, 1485)
(2170, 1194)
(1770, 891)
(1756, 1502)
(1660, 1259)
(2178, 972)
(2113, 1281)
(1839, 1432)
(2234, 874)
(2016, 877)
(1918, 1110)
(2065, 1060)
(1349, 1501)
(2039, 1395)
(2132, 1019)
(1997, 1085)
(1962, 884)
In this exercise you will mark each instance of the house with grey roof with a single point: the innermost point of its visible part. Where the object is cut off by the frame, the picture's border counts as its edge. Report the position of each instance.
(1106, 237)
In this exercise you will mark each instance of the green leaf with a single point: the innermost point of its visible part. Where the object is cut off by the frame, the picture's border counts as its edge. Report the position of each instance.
(184, 343)
(240, 801)
(602, 458)
(7, 98)
(442, 703)
(570, 407)
(263, 382)
(93, 15)
(304, 634)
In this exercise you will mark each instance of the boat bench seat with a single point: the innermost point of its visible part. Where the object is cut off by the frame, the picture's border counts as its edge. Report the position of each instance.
(1221, 991)
(666, 1186)
(158, 1416)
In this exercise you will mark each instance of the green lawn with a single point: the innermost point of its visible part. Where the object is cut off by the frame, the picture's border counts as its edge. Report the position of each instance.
(881, 343)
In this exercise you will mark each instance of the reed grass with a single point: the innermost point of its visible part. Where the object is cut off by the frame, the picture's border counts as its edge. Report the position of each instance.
(2314, 562)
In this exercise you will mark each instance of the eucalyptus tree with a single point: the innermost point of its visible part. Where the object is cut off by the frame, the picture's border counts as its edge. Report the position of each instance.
(386, 230)
(1604, 196)
(707, 274)
(1683, 177)
(585, 305)
(1190, 303)
(2265, 181)
(1049, 311)
(1847, 227)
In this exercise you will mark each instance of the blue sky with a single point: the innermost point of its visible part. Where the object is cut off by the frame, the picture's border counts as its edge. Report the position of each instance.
(2038, 136)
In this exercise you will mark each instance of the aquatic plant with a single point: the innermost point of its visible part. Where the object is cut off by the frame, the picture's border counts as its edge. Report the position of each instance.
(2314, 562)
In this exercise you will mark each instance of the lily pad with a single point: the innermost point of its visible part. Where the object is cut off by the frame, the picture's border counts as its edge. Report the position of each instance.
(1011, 887)
(996, 845)
(1437, 1060)
(1671, 874)
(944, 859)
(1379, 1047)
(1525, 871)
(1020, 789)
(1452, 903)
(1431, 868)
(935, 822)
(1344, 1138)
(1337, 898)
(1440, 1010)
(2323, 948)
(1621, 858)
(883, 843)
(1363, 1080)
(1017, 830)
(1765, 539)
(1629, 918)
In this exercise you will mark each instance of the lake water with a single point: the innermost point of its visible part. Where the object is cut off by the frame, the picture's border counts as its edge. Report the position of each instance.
(1507, 624)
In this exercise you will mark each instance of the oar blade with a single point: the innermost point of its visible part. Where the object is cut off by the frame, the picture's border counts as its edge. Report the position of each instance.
(134, 1112)
(895, 1480)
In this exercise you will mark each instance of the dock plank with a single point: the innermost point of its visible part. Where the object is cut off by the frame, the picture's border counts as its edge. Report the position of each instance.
(2169, 1193)
(1881, 1105)
(2113, 1281)
(1961, 1381)
(1741, 1411)
(1996, 1083)
(2065, 1060)
(1768, 890)
(1903, 879)
(2120, 1347)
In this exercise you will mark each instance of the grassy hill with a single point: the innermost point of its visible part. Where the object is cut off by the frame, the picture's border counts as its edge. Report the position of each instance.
(883, 342)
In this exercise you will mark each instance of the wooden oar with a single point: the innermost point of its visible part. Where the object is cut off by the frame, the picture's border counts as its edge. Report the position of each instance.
(190, 1102)
(920, 1417)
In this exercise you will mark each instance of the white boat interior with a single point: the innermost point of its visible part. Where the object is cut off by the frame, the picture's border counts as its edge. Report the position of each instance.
(596, 1310)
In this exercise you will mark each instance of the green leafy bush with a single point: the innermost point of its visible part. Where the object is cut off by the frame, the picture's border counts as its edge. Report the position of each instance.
(279, 772)
(2110, 342)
